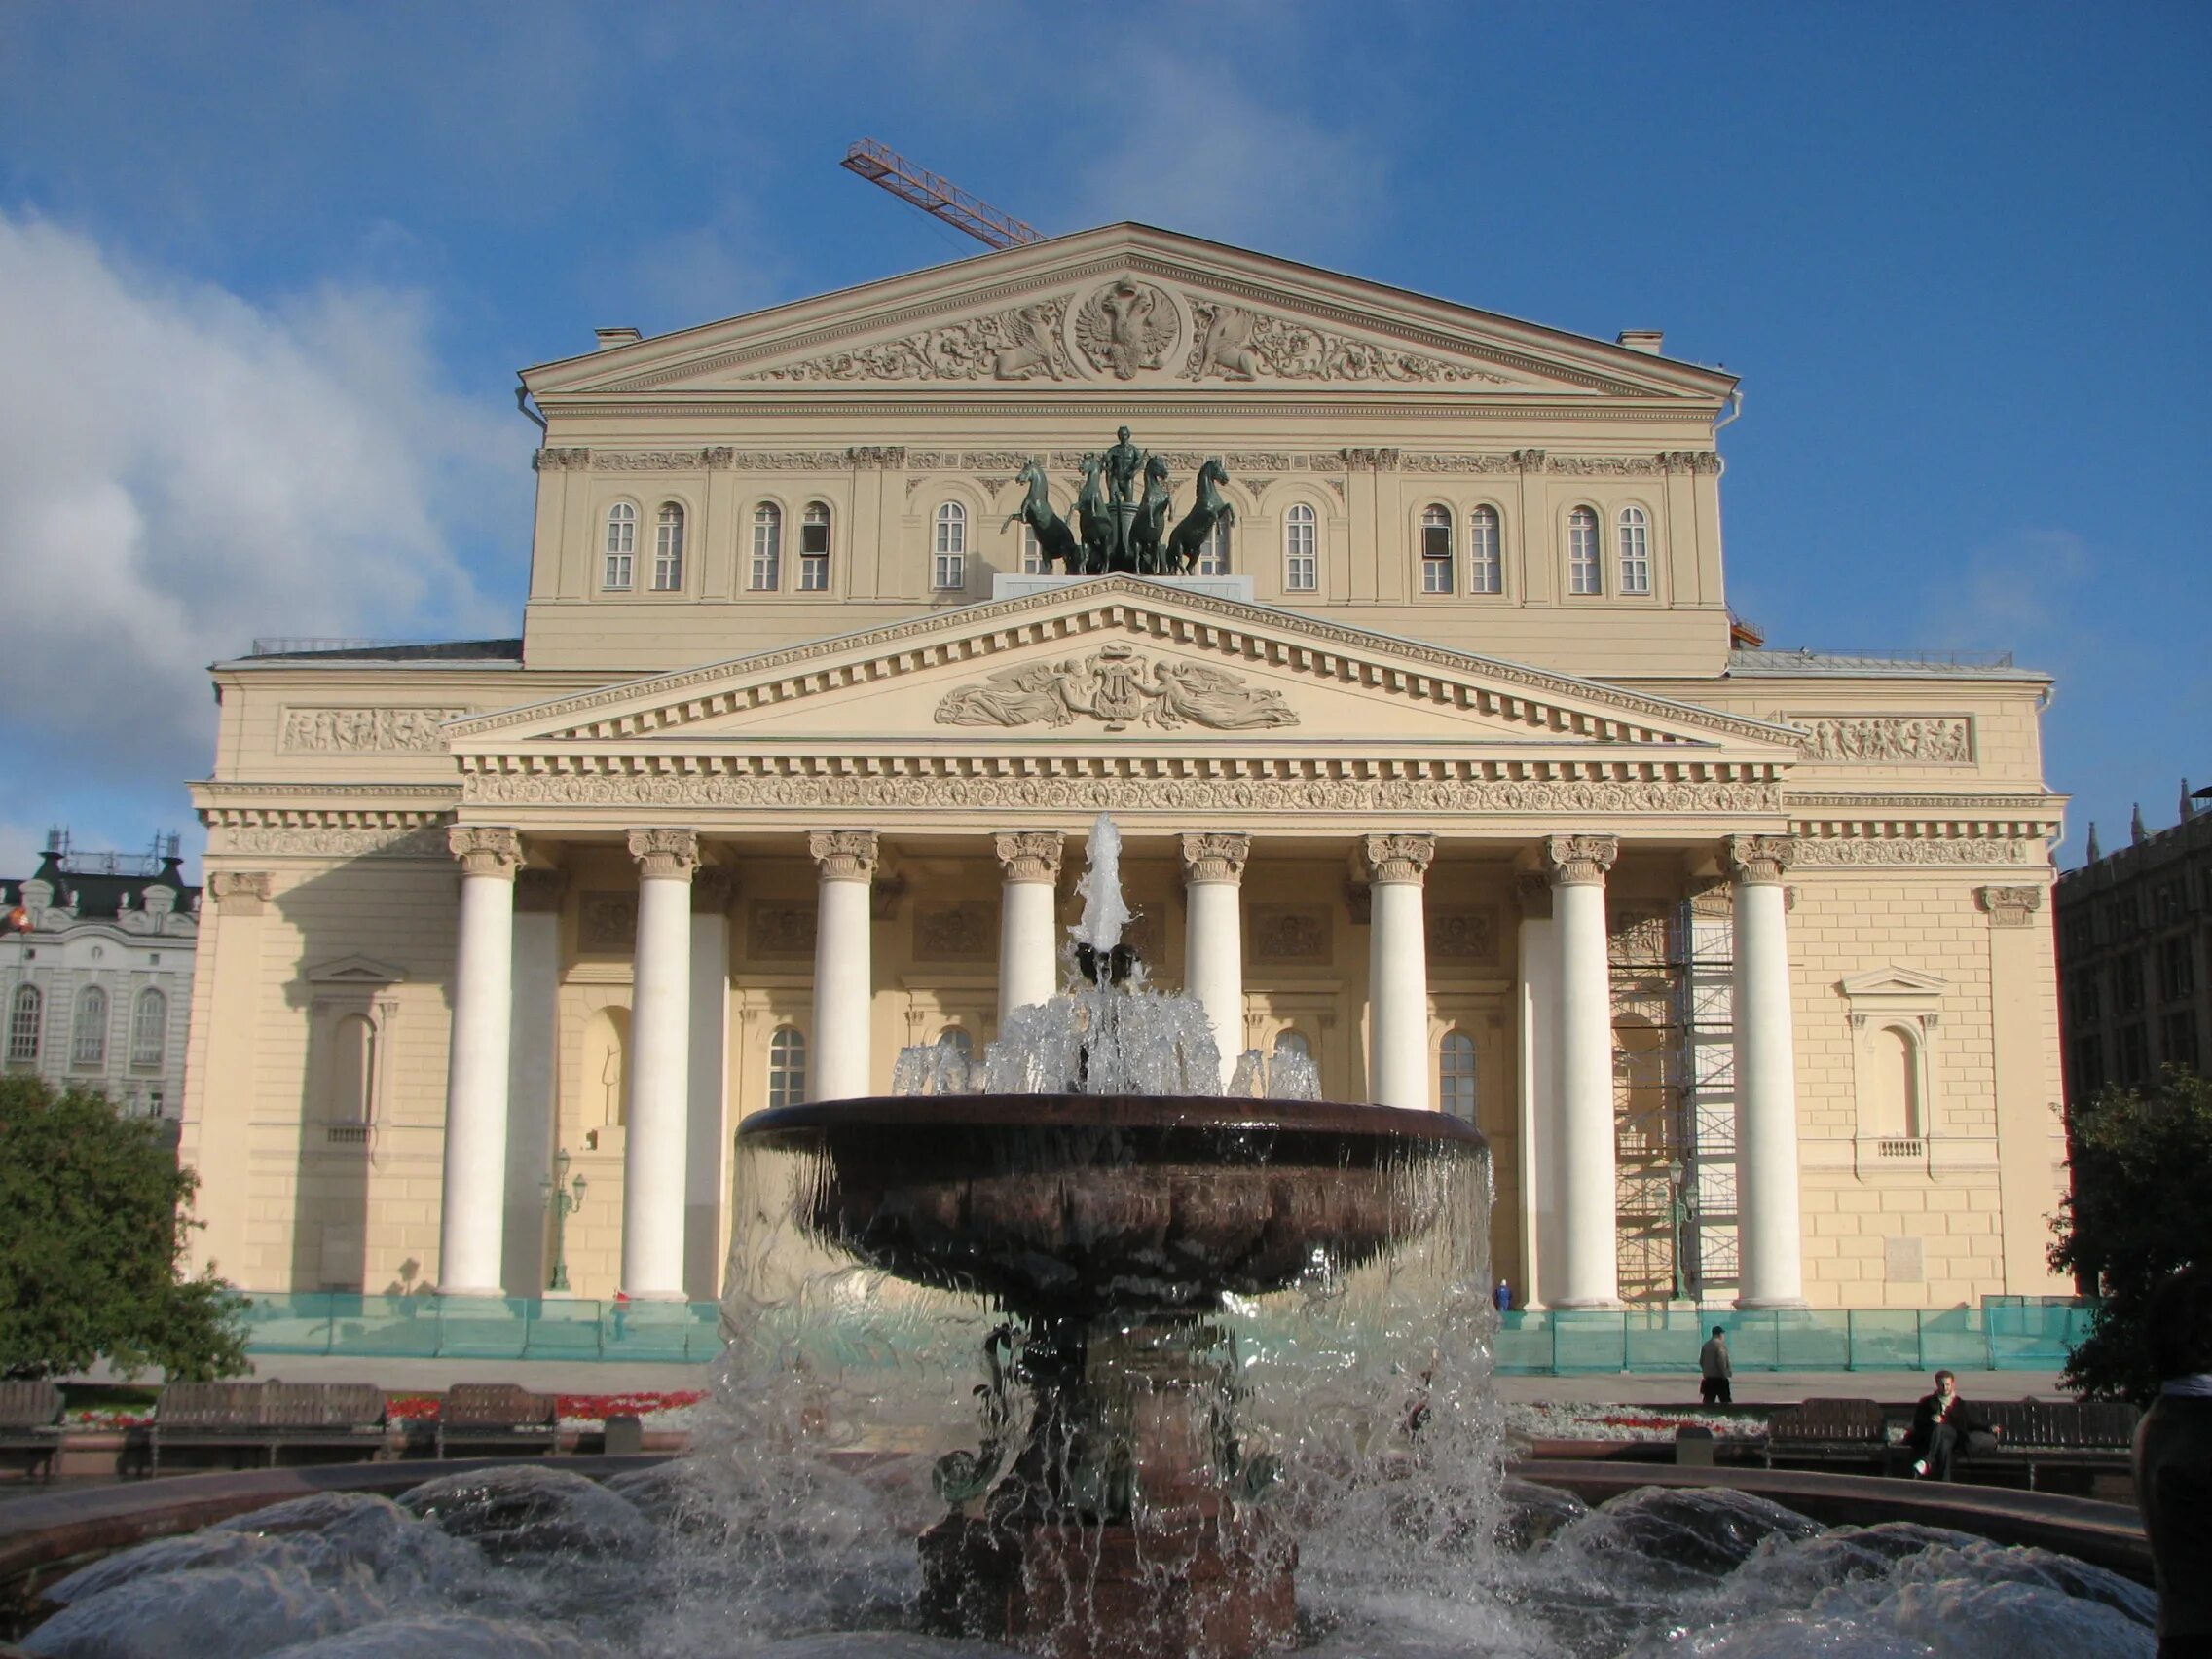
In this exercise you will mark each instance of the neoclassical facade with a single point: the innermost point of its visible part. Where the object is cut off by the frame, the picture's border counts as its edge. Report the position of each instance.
(1444, 764)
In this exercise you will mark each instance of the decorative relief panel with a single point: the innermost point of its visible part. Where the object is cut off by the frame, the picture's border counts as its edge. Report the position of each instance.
(967, 932)
(1469, 935)
(1290, 934)
(779, 930)
(1606, 465)
(1125, 326)
(1960, 850)
(363, 730)
(651, 460)
(426, 840)
(606, 924)
(1120, 686)
(1636, 933)
(1461, 464)
(1942, 740)
(1022, 342)
(789, 461)
(561, 459)
(1237, 343)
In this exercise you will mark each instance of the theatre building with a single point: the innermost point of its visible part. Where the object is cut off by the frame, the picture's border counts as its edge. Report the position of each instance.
(1440, 762)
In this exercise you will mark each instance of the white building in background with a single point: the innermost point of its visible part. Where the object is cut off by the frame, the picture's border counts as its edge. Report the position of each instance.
(95, 972)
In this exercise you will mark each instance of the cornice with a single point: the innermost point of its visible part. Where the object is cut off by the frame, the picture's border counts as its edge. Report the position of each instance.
(1019, 401)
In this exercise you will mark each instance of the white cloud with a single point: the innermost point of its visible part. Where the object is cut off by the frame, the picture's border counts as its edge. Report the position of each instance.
(181, 471)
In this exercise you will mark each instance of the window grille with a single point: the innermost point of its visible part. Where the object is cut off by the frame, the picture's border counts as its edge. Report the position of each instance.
(1636, 551)
(787, 1067)
(150, 1029)
(23, 1019)
(767, 548)
(949, 571)
(622, 546)
(1486, 566)
(1300, 556)
(1582, 575)
(668, 550)
(814, 549)
(87, 1042)
(1435, 550)
(1455, 1074)
(1213, 556)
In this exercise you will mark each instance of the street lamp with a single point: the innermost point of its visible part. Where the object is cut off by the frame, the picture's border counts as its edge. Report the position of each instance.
(1681, 1205)
(564, 1197)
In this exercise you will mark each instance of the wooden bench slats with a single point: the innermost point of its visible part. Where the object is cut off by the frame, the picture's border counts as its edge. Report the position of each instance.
(498, 1414)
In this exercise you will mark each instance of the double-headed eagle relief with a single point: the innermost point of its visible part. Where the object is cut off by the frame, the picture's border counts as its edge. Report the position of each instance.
(1121, 514)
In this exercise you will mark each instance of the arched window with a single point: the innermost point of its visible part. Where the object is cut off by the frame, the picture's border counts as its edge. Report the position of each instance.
(353, 1070)
(1032, 554)
(954, 1040)
(814, 548)
(149, 1028)
(1436, 549)
(1892, 1102)
(1455, 1074)
(23, 1020)
(1636, 551)
(1486, 562)
(1301, 551)
(1582, 575)
(88, 1039)
(622, 546)
(767, 548)
(948, 570)
(668, 549)
(787, 1067)
(1213, 557)
(605, 1073)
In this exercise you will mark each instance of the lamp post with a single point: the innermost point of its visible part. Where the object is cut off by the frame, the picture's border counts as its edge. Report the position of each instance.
(564, 1197)
(1681, 1205)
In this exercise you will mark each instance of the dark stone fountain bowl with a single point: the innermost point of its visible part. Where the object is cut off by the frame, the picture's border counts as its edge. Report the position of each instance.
(1067, 1206)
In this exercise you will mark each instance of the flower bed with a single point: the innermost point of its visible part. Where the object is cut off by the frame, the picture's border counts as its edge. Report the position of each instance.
(1563, 1420)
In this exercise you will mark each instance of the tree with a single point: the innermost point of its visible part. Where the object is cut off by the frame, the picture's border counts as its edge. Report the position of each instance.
(2141, 1207)
(93, 1218)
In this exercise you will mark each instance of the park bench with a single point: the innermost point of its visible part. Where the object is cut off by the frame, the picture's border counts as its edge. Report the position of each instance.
(496, 1418)
(30, 1424)
(267, 1418)
(2039, 1435)
(1828, 1431)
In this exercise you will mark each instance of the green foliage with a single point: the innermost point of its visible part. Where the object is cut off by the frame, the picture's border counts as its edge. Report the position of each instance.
(2141, 1208)
(93, 1218)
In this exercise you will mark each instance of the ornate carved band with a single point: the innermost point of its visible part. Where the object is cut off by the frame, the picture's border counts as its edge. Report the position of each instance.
(2009, 907)
(540, 892)
(669, 855)
(1216, 858)
(1579, 861)
(844, 855)
(241, 892)
(485, 850)
(711, 890)
(1397, 858)
(561, 459)
(1030, 854)
(1758, 861)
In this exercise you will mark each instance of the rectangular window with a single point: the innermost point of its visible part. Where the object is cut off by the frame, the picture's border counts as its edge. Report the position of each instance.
(1486, 569)
(1301, 563)
(767, 552)
(22, 1025)
(2168, 902)
(948, 564)
(2177, 1039)
(2081, 998)
(2134, 1054)
(1213, 557)
(1635, 553)
(1032, 555)
(618, 572)
(1436, 558)
(2127, 983)
(2177, 969)
(2088, 1056)
(949, 571)
(814, 551)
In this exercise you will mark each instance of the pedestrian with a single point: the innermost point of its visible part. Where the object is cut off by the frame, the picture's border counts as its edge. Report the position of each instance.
(2173, 1461)
(1945, 1428)
(1503, 1297)
(1715, 1370)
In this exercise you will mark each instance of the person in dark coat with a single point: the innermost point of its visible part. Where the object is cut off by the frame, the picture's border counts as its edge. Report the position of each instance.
(2173, 1462)
(1715, 1368)
(1945, 1427)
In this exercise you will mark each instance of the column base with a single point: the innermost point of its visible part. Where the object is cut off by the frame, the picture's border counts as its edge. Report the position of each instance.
(635, 1296)
(1586, 1305)
(471, 1293)
(1773, 1304)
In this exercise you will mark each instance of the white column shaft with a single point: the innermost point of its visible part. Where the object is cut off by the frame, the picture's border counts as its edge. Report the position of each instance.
(843, 984)
(1589, 1271)
(1539, 1112)
(477, 1089)
(1397, 981)
(708, 1150)
(1772, 1273)
(1213, 943)
(1028, 949)
(530, 1106)
(660, 1059)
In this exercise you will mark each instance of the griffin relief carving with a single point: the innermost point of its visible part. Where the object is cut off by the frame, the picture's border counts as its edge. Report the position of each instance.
(1239, 344)
(1018, 343)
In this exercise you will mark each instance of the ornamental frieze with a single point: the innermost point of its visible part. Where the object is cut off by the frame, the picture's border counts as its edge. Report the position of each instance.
(364, 730)
(1022, 342)
(1901, 850)
(1606, 465)
(426, 840)
(1237, 342)
(650, 461)
(1945, 739)
(1461, 464)
(1156, 795)
(1119, 687)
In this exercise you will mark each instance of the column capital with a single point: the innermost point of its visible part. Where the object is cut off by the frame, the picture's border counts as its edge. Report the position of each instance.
(1579, 861)
(2009, 907)
(665, 854)
(1758, 861)
(844, 855)
(713, 888)
(241, 892)
(1030, 854)
(1397, 858)
(485, 849)
(1216, 856)
(538, 891)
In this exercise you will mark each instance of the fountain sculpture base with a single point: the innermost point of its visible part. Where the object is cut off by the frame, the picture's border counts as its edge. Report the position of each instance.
(1209, 1588)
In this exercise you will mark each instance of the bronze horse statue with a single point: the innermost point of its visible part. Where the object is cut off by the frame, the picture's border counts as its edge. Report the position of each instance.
(1211, 508)
(1054, 541)
(1151, 520)
(1094, 517)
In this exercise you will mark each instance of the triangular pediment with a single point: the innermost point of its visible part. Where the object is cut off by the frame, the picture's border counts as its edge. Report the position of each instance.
(363, 970)
(1894, 982)
(1125, 663)
(1128, 305)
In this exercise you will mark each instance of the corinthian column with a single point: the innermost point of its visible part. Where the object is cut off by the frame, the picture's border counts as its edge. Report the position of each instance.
(660, 1063)
(1397, 971)
(1772, 1269)
(472, 1221)
(1030, 862)
(1589, 1271)
(843, 965)
(1213, 939)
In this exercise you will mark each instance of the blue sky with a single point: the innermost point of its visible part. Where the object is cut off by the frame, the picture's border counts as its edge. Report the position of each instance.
(267, 271)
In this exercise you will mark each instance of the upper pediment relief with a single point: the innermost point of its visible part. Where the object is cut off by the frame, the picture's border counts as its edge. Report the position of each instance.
(1126, 306)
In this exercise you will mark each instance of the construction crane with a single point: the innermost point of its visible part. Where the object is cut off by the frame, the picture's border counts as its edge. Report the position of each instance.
(938, 197)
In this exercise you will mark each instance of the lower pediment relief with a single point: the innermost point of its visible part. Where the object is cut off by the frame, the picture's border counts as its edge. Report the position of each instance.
(1116, 687)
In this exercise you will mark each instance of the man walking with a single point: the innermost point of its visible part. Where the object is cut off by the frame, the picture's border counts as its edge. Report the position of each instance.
(1715, 1370)
(1943, 1428)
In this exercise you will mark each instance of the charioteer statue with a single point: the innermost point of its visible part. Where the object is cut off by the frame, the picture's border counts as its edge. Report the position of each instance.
(1121, 514)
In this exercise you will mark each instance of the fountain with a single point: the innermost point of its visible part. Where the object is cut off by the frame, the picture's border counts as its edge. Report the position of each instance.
(1096, 1360)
